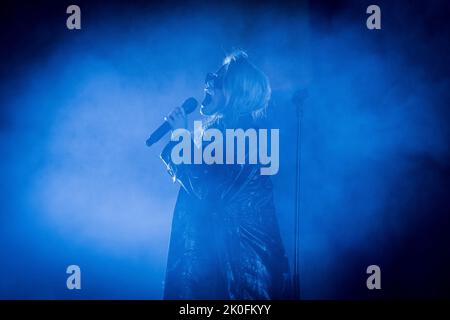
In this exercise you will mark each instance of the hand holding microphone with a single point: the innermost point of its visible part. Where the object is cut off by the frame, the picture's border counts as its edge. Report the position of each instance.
(176, 119)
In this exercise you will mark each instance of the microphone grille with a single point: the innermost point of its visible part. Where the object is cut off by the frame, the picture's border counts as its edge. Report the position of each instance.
(189, 105)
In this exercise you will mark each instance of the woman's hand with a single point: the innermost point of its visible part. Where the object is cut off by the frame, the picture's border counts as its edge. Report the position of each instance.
(177, 119)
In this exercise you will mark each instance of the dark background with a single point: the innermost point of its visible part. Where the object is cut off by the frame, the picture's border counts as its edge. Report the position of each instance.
(375, 157)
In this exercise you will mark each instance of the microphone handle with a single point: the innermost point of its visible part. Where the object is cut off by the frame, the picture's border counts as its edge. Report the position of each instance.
(158, 134)
(189, 105)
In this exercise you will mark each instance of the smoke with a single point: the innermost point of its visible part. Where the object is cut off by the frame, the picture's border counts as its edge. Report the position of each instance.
(80, 185)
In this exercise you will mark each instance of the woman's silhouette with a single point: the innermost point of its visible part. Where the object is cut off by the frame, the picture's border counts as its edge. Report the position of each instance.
(225, 241)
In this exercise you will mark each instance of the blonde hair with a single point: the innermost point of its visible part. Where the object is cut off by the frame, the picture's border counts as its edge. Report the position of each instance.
(245, 87)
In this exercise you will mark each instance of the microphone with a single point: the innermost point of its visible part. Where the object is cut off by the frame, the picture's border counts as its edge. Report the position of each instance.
(189, 105)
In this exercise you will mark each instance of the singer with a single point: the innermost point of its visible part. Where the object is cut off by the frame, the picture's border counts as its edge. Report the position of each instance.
(225, 241)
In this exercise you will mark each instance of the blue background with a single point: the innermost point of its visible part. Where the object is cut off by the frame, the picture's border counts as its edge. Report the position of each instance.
(78, 186)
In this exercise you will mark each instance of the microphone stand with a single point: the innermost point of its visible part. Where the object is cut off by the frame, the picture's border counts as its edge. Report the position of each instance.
(298, 100)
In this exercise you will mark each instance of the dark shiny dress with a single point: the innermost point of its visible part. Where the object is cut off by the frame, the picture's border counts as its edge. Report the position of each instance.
(225, 241)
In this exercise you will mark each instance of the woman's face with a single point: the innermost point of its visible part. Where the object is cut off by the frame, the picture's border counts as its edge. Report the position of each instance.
(214, 98)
